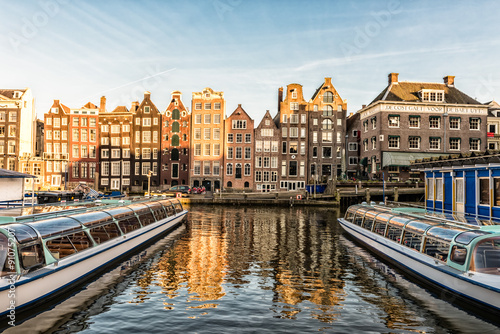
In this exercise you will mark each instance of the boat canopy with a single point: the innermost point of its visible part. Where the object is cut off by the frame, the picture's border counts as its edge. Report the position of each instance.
(420, 225)
(444, 232)
(400, 221)
(93, 218)
(54, 226)
(466, 237)
(22, 233)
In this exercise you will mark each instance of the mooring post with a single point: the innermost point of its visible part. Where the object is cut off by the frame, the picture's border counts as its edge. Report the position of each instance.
(367, 191)
(396, 194)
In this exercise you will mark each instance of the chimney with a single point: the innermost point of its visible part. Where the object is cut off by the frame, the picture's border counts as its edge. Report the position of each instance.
(393, 78)
(280, 98)
(102, 107)
(363, 106)
(135, 106)
(449, 80)
(328, 81)
(147, 94)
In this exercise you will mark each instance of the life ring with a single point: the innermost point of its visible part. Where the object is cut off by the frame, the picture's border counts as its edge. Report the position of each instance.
(178, 195)
(299, 197)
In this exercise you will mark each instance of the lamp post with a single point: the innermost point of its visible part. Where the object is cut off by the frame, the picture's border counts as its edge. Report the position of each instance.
(149, 183)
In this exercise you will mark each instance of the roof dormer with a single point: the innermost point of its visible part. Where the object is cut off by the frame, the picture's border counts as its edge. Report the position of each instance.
(431, 95)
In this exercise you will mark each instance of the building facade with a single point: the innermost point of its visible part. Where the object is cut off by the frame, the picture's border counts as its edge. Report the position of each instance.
(175, 145)
(56, 153)
(239, 149)
(115, 157)
(327, 147)
(83, 145)
(208, 109)
(17, 127)
(412, 120)
(267, 155)
(292, 119)
(146, 146)
(493, 125)
(354, 170)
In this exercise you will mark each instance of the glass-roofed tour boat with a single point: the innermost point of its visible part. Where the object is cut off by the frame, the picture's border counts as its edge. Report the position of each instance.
(461, 258)
(43, 256)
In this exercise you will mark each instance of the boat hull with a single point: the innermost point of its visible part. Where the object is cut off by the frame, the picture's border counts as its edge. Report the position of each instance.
(477, 290)
(49, 282)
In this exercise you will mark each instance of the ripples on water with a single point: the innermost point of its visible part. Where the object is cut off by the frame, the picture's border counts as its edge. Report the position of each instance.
(265, 270)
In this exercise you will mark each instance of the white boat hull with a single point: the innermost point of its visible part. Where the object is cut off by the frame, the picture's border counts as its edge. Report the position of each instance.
(479, 288)
(47, 282)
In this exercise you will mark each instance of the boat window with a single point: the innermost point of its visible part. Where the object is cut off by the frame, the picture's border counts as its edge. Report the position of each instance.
(31, 256)
(368, 221)
(104, 233)
(23, 233)
(60, 247)
(437, 248)
(55, 226)
(394, 233)
(487, 256)
(458, 254)
(158, 211)
(146, 217)
(7, 258)
(350, 213)
(444, 232)
(358, 219)
(380, 225)
(178, 207)
(420, 226)
(412, 240)
(93, 218)
(399, 221)
(170, 209)
(120, 212)
(129, 224)
(466, 237)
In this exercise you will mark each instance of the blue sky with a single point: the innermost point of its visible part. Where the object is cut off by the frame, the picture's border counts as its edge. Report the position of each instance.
(77, 51)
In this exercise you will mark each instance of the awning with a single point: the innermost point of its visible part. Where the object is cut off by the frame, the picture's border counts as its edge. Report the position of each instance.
(364, 161)
(404, 158)
(10, 174)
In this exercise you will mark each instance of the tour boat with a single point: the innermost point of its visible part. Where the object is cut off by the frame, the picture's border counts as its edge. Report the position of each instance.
(41, 258)
(452, 256)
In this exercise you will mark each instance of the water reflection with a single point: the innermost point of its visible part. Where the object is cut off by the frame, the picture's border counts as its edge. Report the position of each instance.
(264, 269)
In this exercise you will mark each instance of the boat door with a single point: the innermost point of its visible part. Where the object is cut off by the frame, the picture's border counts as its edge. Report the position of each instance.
(459, 195)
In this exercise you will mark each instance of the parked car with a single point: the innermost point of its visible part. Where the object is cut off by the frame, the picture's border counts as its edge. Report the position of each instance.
(185, 190)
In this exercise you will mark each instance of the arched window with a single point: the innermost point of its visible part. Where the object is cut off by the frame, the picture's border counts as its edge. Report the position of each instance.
(175, 140)
(327, 111)
(176, 114)
(237, 171)
(174, 183)
(247, 170)
(174, 154)
(229, 184)
(175, 127)
(184, 137)
(328, 97)
(327, 124)
(247, 185)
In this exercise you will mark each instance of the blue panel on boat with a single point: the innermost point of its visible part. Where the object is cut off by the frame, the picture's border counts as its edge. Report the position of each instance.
(495, 171)
(470, 192)
(496, 212)
(439, 205)
(448, 193)
(483, 173)
(484, 211)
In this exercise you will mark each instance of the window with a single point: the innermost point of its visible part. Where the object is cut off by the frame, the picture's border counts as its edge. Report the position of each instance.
(76, 121)
(146, 136)
(248, 138)
(283, 147)
(292, 171)
(239, 124)
(374, 143)
(197, 119)
(266, 162)
(217, 119)
(197, 164)
(197, 106)
(327, 111)
(415, 122)
(365, 126)
(206, 135)
(293, 148)
(247, 170)
(353, 160)
(414, 142)
(328, 97)
(229, 152)
(216, 168)
(303, 119)
(239, 138)
(365, 145)
(327, 137)
(455, 123)
(197, 133)
(327, 124)
(208, 106)
(258, 176)
(284, 131)
(393, 141)
(294, 106)
(197, 149)
(474, 123)
(353, 146)
(274, 162)
(315, 137)
(434, 122)
(229, 169)
(435, 143)
(206, 149)
(230, 137)
(238, 153)
(394, 121)
(492, 128)
(294, 119)
(432, 95)
(327, 152)
(455, 143)
(206, 118)
(248, 152)
(475, 144)
(294, 132)
(374, 123)
(484, 191)
(217, 134)
(105, 168)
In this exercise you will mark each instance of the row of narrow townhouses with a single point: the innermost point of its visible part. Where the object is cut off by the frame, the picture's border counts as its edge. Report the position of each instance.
(306, 141)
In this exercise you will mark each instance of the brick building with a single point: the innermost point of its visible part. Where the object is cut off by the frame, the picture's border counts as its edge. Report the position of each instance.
(175, 145)
(115, 148)
(239, 149)
(493, 125)
(353, 125)
(327, 113)
(207, 139)
(17, 126)
(292, 119)
(267, 155)
(83, 145)
(414, 120)
(146, 145)
(56, 153)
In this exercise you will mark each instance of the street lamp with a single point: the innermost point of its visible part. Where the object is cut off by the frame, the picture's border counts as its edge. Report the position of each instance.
(149, 183)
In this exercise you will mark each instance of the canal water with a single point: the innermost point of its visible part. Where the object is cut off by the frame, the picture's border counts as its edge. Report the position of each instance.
(256, 270)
